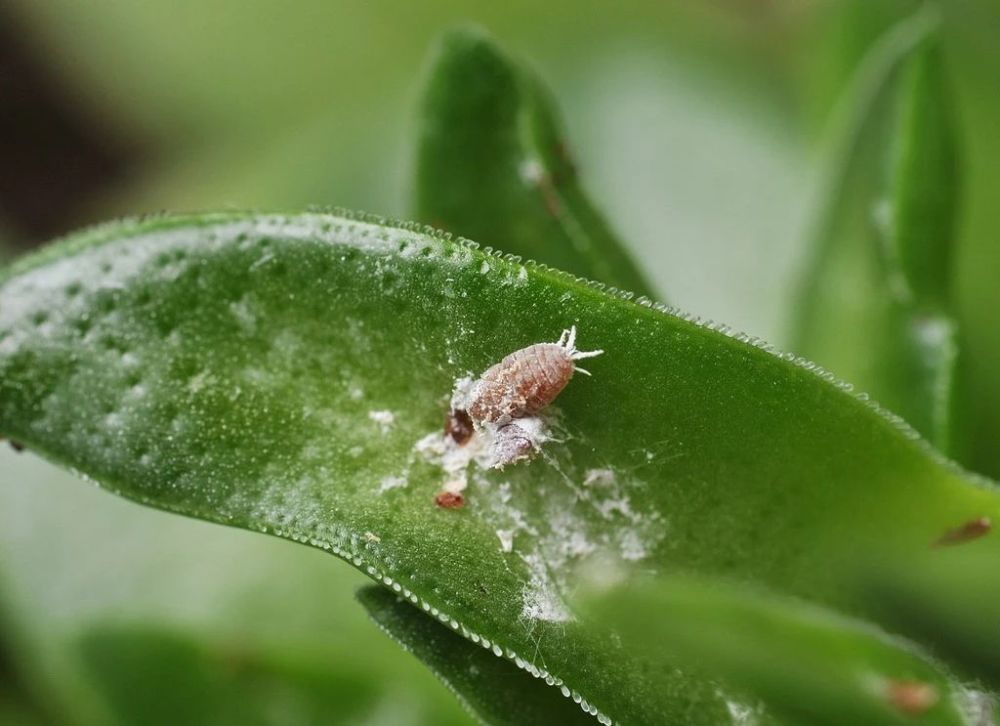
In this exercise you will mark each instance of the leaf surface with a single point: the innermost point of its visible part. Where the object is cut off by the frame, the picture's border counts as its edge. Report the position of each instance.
(948, 598)
(156, 676)
(877, 306)
(806, 664)
(278, 373)
(493, 165)
(490, 687)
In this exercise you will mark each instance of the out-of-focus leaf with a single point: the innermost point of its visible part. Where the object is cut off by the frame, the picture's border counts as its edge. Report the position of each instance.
(277, 373)
(491, 687)
(949, 598)
(75, 561)
(18, 705)
(876, 305)
(153, 676)
(806, 664)
(493, 165)
(14, 712)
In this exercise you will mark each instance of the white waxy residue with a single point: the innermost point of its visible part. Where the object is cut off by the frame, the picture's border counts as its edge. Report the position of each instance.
(391, 482)
(550, 516)
(506, 537)
(384, 419)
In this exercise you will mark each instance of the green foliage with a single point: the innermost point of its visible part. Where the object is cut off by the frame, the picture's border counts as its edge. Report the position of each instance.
(493, 165)
(217, 588)
(289, 374)
(176, 372)
(157, 677)
(948, 599)
(877, 302)
(806, 664)
(491, 687)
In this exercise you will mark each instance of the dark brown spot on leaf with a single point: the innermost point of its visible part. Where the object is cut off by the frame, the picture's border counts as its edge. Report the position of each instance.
(973, 529)
(458, 426)
(449, 500)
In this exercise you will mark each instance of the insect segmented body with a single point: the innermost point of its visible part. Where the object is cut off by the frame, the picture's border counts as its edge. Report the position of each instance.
(517, 440)
(526, 381)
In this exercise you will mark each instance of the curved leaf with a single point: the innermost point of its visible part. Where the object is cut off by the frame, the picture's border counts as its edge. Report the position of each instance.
(278, 373)
(877, 307)
(492, 165)
(806, 664)
(950, 599)
(489, 686)
(76, 562)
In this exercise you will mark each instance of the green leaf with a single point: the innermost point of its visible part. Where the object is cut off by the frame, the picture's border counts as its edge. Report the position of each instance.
(154, 676)
(806, 664)
(950, 599)
(76, 562)
(876, 305)
(493, 165)
(492, 688)
(18, 704)
(278, 373)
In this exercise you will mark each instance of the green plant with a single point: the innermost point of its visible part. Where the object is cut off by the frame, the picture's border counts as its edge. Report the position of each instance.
(287, 374)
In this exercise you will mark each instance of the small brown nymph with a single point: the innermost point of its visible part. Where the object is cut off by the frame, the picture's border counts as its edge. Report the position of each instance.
(458, 426)
(526, 381)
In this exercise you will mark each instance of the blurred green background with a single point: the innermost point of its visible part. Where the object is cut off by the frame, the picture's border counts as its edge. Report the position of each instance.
(699, 128)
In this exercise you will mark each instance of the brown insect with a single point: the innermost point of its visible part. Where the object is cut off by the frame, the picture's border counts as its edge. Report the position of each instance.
(458, 426)
(514, 442)
(526, 381)
(911, 697)
(449, 500)
(973, 529)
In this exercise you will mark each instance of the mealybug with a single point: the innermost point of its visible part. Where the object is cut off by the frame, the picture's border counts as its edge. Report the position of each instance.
(526, 381)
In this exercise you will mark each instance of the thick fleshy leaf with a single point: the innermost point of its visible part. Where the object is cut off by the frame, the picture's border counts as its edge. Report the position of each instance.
(76, 562)
(949, 598)
(492, 688)
(283, 373)
(876, 304)
(493, 165)
(806, 664)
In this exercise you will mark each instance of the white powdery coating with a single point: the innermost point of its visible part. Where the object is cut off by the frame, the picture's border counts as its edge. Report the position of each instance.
(531, 171)
(385, 419)
(631, 546)
(506, 537)
(742, 714)
(391, 482)
(540, 597)
(599, 478)
(244, 315)
(461, 392)
(579, 516)
(977, 707)
(452, 459)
